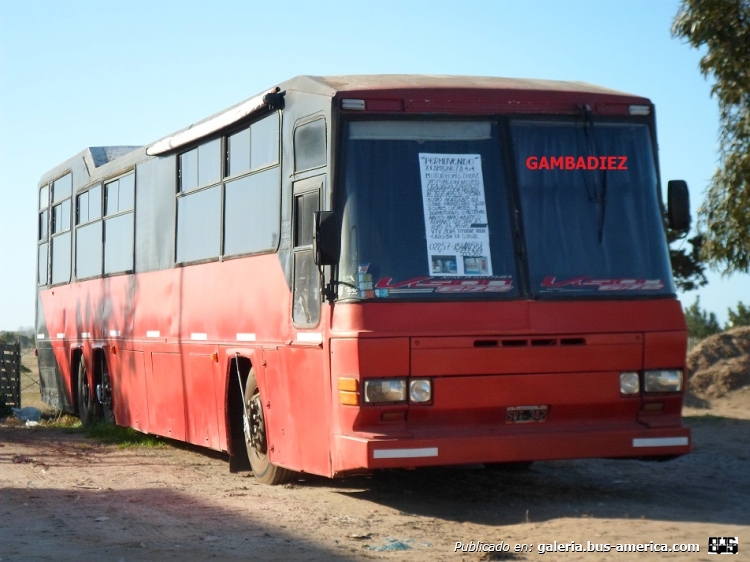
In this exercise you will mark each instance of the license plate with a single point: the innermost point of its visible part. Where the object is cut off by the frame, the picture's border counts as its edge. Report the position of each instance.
(526, 414)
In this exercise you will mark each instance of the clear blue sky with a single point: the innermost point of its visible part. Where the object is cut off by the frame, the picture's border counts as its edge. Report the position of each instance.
(79, 73)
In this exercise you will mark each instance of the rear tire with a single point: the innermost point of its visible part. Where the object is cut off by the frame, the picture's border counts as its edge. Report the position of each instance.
(88, 406)
(107, 405)
(256, 438)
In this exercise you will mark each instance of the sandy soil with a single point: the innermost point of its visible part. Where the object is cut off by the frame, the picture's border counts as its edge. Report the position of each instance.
(66, 497)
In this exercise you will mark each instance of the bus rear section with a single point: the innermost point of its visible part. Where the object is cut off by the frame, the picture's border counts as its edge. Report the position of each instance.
(513, 398)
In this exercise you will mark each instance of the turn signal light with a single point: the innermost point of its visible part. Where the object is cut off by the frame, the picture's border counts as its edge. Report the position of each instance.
(348, 394)
(348, 398)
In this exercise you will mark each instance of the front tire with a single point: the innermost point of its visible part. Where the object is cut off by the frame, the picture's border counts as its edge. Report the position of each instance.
(256, 437)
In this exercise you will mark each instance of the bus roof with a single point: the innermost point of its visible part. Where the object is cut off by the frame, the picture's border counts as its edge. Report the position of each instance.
(331, 85)
(507, 90)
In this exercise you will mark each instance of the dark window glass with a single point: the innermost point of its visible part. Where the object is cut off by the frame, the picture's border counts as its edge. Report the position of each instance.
(89, 250)
(44, 197)
(95, 203)
(66, 214)
(62, 188)
(61, 258)
(89, 205)
(386, 219)
(42, 265)
(200, 166)
(255, 147)
(61, 217)
(189, 170)
(43, 225)
(126, 197)
(306, 311)
(120, 195)
(56, 219)
(264, 142)
(83, 208)
(118, 244)
(310, 145)
(112, 198)
(304, 207)
(209, 162)
(251, 213)
(238, 153)
(199, 225)
(602, 230)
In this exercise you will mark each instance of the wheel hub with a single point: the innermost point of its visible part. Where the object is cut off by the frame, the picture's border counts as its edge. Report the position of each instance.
(254, 425)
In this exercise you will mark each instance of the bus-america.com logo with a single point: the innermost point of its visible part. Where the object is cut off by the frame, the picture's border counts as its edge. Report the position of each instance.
(723, 545)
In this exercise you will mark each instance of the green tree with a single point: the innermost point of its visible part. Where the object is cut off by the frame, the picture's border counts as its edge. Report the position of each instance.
(701, 323)
(687, 265)
(723, 28)
(739, 318)
(17, 337)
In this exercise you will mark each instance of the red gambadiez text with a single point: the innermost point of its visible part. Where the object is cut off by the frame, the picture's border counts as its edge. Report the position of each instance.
(577, 163)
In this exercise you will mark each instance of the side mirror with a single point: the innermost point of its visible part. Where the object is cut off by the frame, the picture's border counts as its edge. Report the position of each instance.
(326, 238)
(678, 205)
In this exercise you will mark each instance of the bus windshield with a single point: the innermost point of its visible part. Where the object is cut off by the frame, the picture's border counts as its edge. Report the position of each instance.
(427, 209)
(590, 208)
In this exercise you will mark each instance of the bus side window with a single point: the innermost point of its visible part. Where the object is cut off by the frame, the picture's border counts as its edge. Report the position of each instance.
(199, 203)
(62, 191)
(119, 202)
(310, 145)
(306, 306)
(89, 233)
(252, 197)
(43, 236)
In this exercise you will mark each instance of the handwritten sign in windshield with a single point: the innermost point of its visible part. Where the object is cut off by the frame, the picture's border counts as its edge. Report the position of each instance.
(455, 214)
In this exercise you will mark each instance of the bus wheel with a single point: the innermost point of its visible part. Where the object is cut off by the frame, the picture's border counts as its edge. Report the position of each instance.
(88, 409)
(256, 439)
(108, 409)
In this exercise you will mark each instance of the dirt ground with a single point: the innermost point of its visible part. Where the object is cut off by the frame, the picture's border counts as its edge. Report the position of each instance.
(66, 497)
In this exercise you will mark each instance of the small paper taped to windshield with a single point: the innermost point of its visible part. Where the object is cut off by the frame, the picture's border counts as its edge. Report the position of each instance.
(455, 213)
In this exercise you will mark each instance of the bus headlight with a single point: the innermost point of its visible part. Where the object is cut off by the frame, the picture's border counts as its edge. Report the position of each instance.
(420, 390)
(629, 383)
(663, 380)
(385, 390)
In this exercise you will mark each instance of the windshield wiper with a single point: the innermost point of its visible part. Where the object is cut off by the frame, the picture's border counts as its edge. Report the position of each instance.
(591, 142)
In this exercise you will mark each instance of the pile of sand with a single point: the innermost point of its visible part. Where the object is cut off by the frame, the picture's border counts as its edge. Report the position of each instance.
(719, 366)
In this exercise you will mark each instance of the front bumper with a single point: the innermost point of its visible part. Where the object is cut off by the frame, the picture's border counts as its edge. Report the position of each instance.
(362, 451)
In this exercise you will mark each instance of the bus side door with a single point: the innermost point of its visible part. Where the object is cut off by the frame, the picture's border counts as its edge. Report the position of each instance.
(299, 383)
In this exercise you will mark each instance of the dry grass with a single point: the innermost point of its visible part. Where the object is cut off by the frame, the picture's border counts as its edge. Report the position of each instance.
(720, 365)
(30, 395)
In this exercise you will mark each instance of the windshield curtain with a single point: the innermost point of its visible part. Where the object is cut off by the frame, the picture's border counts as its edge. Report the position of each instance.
(425, 212)
(590, 211)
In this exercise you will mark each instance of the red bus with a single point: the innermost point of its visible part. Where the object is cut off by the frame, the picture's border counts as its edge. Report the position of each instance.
(349, 273)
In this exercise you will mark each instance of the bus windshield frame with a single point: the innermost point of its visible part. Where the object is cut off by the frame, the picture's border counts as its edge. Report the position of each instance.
(570, 207)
